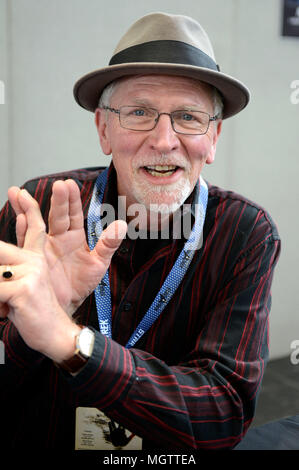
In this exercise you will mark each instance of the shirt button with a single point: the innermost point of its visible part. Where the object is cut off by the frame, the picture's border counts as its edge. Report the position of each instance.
(127, 306)
(123, 250)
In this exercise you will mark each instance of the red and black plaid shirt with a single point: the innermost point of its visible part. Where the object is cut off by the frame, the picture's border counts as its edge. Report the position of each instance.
(192, 381)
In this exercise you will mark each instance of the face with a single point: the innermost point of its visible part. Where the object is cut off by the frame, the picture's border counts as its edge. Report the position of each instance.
(159, 167)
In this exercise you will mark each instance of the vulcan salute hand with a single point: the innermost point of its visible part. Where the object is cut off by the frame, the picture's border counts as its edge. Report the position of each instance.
(51, 273)
(75, 271)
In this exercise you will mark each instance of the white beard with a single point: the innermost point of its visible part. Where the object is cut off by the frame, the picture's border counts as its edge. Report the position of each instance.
(151, 197)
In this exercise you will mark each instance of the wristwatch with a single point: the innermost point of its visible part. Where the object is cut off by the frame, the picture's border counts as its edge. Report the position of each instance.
(84, 347)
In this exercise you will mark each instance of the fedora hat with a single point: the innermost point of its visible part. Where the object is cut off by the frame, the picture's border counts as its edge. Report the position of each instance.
(160, 43)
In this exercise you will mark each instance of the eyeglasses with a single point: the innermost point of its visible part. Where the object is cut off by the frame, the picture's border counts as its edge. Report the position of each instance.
(183, 121)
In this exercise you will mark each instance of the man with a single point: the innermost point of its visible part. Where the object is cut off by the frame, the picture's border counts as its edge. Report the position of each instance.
(177, 327)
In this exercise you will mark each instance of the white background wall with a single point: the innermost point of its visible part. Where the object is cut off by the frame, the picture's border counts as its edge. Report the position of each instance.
(45, 46)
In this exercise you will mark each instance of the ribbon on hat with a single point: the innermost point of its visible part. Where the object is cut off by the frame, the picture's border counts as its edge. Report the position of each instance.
(166, 51)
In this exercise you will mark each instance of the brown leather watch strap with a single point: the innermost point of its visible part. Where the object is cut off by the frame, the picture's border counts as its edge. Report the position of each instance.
(75, 363)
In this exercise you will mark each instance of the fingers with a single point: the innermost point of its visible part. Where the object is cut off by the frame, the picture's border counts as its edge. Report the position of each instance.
(16, 272)
(75, 206)
(21, 229)
(21, 223)
(30, 227)
(19, 262)
(110, 240)
(13, 195)
(35, 235)
(10, 255)
(65, 214)
(66, 208)
(59, 211)
(7, 290)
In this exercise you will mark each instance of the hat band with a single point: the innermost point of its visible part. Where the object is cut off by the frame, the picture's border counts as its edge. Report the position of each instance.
(170, 52)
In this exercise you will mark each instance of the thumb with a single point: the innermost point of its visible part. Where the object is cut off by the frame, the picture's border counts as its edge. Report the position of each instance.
(110, 240)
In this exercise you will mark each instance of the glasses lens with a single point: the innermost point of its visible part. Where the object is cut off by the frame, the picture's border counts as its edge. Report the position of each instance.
(190, 122)
(137, 117)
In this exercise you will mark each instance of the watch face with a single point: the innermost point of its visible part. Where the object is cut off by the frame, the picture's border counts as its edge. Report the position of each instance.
(85, 342)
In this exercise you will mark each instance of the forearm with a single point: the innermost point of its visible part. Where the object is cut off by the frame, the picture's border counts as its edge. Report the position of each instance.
(19, 359)
(174, 407)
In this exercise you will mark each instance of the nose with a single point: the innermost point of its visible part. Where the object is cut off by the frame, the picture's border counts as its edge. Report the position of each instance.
(163, 138)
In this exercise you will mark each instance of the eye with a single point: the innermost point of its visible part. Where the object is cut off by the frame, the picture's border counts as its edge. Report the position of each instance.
(184, 116)
(139, 112)
(132, 111)
(187, 117)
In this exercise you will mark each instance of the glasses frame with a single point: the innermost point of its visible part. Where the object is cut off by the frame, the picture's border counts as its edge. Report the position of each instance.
(117, 111)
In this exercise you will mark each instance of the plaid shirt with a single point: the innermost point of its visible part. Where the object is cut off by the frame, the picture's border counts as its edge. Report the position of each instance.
(192, 381)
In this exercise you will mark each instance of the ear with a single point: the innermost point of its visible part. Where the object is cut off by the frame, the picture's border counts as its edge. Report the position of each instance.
(102, 128)
(211, 156)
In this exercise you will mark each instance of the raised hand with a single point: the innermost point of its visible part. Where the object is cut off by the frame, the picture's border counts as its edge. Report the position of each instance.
(74, 270)
(27, 296)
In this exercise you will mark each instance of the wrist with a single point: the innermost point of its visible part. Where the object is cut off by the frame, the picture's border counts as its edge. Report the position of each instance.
(83, 347)
(65, 343)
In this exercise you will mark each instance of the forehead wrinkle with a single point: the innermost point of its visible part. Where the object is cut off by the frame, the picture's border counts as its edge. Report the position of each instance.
(142, 102)
(196, 93)
(177, 107)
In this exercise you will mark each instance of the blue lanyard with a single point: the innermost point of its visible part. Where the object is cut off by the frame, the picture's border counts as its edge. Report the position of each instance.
(171, 283)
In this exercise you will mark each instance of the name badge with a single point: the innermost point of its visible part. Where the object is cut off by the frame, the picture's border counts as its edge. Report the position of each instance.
(95, 431)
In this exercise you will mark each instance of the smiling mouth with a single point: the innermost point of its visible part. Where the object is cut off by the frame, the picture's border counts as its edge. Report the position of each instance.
(161, 170)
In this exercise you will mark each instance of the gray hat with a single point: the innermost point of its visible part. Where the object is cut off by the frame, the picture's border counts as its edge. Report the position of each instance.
(160, 43)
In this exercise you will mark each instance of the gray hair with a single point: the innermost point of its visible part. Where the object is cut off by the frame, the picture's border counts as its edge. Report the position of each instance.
(108, 91)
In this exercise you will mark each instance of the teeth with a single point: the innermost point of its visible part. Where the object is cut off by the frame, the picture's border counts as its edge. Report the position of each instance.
(161, 167)
(160, 170)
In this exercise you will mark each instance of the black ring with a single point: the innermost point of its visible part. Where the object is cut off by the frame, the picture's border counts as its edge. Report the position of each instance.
(7, 274)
